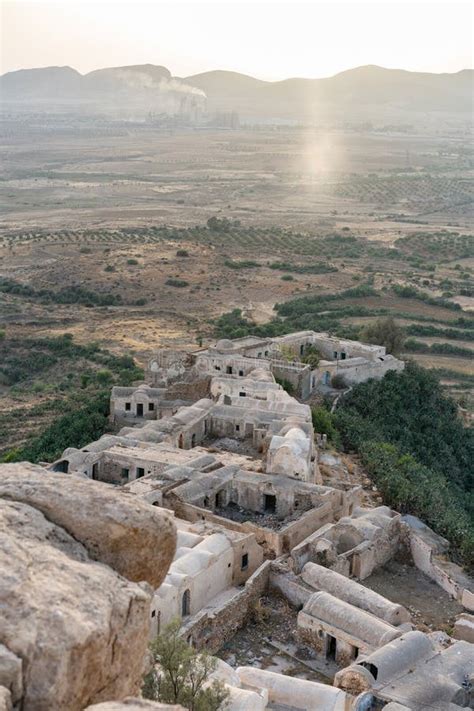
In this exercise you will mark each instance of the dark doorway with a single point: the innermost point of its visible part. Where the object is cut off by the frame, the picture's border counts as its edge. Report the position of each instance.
(302, 349)
(186, 604)
(95, 471)
(140, 472)
(193, 440)
(229, 370)
(139, 409)
(181, 441)
(371, 668)
(331, 647)
(270, 503)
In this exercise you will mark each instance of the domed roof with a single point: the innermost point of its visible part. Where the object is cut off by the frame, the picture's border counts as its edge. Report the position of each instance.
(224, 345)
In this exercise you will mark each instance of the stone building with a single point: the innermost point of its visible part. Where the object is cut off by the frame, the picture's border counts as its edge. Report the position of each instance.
(355, 545)
(278, 510)
(256, 410)
(284, 356)
(210, 563)
(416, 671)
(347, 589)
(216, 441)
(341, 631)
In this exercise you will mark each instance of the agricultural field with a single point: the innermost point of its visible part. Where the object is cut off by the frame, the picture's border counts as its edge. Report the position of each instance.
(147, 239)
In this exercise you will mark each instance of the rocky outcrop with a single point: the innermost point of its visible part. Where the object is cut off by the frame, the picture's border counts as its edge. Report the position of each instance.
(134, 539)
(5, 699)
(73, 631)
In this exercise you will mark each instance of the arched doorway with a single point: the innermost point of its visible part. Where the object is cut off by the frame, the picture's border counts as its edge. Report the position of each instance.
(186, 604)
(181, 441)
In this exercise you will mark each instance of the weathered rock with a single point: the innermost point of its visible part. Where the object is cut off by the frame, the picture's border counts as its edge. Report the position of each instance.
(73, 631)
(5, 699)
(10, 673)
(80, 629)
(134, 538)
(131, 704)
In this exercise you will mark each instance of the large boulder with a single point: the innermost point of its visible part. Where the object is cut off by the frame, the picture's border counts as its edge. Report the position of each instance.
(10, 674)
(73, 630)
(5, 699)
(136, 540)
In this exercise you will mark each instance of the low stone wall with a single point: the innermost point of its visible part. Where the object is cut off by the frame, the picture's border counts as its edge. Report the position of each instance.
(211, 629)
(449, 576)
(194, 513)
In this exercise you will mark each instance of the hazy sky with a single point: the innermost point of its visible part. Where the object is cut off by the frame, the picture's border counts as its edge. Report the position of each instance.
(271, 40)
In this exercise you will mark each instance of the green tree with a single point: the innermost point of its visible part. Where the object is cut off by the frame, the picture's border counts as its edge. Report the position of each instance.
(416, 449)
(311, 356)
(287, 353)
(182, 675)
(323, 424)
(385, 332)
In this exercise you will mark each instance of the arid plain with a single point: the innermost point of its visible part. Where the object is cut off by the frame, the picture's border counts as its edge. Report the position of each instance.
(121, 209)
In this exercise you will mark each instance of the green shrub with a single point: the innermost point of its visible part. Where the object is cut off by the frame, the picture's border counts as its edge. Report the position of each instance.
(243, 264)
(338, 381)
(384, 332)
(323, 423)
(178, 283)
(416, 449)
(286, 385)
(185, 674)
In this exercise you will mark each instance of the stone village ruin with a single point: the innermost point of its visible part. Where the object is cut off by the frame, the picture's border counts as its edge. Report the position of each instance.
(213, 446)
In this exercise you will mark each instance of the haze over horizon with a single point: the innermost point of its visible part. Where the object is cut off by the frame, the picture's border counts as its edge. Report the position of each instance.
(268, 40)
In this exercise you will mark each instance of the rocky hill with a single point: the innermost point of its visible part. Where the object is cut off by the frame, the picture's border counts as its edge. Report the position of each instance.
(361, 94)
(116, 90)
(366, 92)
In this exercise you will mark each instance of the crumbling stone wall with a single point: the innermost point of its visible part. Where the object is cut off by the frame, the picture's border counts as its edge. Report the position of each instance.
(210, 630)
(196, 389)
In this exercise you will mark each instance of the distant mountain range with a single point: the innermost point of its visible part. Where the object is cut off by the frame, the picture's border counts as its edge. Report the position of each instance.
(363, 93)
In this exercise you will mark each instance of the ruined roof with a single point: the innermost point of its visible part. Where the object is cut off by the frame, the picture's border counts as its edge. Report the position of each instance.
(415, 671)
(322, 578)
(349, 619)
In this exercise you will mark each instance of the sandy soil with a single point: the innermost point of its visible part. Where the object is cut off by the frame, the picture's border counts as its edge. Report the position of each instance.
(431, 608)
